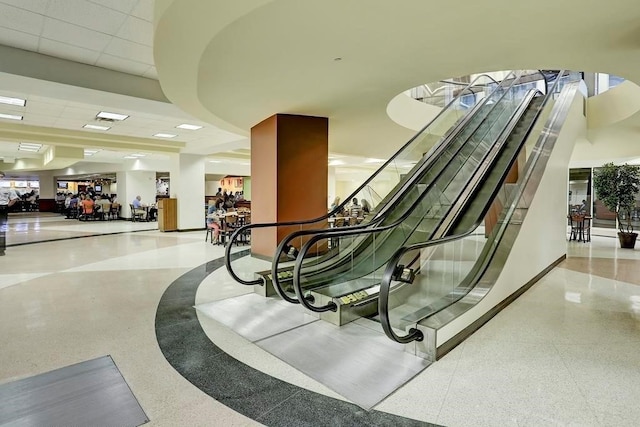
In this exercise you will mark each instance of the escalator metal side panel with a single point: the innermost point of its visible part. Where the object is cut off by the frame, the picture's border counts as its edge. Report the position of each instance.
(448, 325)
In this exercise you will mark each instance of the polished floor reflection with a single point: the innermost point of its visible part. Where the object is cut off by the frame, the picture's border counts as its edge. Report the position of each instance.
(565, 353)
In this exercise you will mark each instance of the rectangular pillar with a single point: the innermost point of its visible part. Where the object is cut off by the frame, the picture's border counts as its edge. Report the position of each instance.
(289, 175)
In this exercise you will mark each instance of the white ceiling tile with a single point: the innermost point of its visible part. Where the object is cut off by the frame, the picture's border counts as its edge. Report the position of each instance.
(37, 6)
(151, 73)
(144, 10)
(137, 30)
(88, 15)
(132, 51)
(74, 35)
(20, 19)
(79, 113)
(66, 51)
(120, 64)
(39, 120)
(12, 109)
(123, 6)
(18, 39)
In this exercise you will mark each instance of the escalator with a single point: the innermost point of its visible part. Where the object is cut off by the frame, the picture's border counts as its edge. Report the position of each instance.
(446, 277)
(409, 214)
(331, 282)
(417, 155)
(449, 188)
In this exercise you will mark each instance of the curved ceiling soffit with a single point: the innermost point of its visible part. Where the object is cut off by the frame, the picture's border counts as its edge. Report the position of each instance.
(279, 57)
(614, 105)
(182, 30)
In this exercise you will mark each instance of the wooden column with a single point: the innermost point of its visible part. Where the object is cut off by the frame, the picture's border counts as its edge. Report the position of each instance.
(289, 174)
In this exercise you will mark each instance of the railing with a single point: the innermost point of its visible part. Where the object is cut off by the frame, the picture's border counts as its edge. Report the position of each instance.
(439, 250)
(392, 199)
(425, 141)
(398, 222)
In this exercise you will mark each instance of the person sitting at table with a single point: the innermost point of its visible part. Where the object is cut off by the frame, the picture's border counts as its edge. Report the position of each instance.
(366, 207)
(355, 210)
(214, 223)
(230, 202)
(335, 204)
(138, 207)
(87, 208)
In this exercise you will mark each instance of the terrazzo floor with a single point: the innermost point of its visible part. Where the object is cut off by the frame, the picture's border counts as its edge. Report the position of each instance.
(565, 353)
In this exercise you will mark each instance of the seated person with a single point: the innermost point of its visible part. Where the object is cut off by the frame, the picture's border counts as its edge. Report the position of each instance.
(366, 207)
(355, 210)
(217, 208)
(87, 206)
(138, 207)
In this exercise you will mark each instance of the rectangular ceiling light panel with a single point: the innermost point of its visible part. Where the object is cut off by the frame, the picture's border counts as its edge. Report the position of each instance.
(13, 101)
(96, 127)
(165, 135)
(10, 116)
(111, 116)
(188, 126)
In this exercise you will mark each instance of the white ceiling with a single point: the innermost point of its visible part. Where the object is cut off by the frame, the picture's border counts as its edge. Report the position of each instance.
(112, 34)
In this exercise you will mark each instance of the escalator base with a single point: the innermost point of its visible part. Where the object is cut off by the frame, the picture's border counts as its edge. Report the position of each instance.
(357, 361)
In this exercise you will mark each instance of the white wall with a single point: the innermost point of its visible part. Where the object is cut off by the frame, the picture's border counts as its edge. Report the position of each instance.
(187, 185)
(132, 184)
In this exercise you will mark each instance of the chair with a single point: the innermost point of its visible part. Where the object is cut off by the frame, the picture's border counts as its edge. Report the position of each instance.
(136, 214)
(230, 226)
(114, 211)
(87, 214)
(577, 222)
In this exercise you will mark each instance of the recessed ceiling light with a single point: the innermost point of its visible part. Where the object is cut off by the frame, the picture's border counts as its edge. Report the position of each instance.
(25, 146)
(374, 161)
(189, 127)
(215, 161)
(129, 157)
(336, 163)
(96, 127)
(111, 116)
(10, 116)
(90, 152)
(137, 155)
(165, 135)
(13, 101)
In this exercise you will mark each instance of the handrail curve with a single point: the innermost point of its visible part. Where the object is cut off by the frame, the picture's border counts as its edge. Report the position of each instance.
(305, 249)
(385, 285)
(340, 207)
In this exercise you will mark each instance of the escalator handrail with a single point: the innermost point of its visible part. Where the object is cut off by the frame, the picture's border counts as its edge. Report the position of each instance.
(246, 228)
(381, 215)
(385, 285)
(331, 306)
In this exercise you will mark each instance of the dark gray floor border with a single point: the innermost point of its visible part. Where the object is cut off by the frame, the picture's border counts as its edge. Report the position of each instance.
(9, 245)
(246, 390)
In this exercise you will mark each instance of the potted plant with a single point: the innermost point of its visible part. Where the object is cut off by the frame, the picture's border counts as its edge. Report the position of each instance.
(616, 186)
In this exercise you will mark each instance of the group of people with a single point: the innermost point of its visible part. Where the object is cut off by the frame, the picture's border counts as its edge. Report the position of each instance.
(87, 204)
(218, 207)
(355, 209)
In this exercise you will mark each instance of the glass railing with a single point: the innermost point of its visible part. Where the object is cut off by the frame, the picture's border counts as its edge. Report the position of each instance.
(326, 253)
(392, 174)
(442, 271)
(356, 261)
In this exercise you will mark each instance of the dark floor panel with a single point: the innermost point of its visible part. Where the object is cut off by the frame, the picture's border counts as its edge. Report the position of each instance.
(87, 393)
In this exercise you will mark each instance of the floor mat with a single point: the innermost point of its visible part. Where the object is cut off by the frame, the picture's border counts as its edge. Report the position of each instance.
(87, 393)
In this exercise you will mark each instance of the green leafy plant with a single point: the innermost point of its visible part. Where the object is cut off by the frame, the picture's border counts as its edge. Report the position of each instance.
(616, 186)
